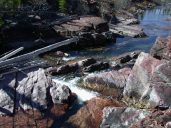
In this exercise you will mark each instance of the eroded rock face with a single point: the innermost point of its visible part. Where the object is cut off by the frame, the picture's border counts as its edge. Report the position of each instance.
(113, 81)
(150, 80)
(162, 48)
(90, 116)
(31, 91)
(119, 117)
(142, 71)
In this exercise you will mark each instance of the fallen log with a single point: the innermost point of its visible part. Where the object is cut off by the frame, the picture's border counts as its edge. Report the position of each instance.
(39, 51)
(11, 54)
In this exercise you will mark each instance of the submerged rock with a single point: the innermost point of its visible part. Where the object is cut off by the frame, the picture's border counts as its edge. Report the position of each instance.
(86, 65)
(111, 83)
(121, 117)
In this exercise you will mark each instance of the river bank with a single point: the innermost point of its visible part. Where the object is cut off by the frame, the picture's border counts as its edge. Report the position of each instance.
(109, 86)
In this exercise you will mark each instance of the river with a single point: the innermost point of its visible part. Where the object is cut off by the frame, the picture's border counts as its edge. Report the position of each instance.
(155, 22)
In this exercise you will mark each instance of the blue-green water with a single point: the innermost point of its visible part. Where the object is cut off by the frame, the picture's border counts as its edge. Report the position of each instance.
(155, 22)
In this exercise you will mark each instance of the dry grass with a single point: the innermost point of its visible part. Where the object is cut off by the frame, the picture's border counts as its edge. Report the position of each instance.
(132, 102)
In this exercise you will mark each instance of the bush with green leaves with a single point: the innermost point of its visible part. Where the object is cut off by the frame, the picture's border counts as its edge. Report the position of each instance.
(62, 5)
(9, 4)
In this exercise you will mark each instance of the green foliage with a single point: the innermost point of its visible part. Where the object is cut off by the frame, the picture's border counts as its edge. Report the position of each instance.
(10, 4)
(62, 5)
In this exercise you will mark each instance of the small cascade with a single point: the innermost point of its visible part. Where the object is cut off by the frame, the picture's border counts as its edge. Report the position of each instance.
(82, 94)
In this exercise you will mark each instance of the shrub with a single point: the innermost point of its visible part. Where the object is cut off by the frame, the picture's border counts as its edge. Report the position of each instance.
(9, 4)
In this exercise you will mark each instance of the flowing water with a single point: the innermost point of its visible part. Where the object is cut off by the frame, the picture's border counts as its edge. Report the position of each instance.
(155, 22)
(83, 94)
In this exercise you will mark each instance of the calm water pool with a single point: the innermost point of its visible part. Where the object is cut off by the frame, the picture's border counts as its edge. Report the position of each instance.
(155, 22)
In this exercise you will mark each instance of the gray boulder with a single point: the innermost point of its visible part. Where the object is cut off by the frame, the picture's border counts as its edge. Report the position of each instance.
(32, 90)
(150, 80)
(121, 117)
(113, 81)
(60, 94)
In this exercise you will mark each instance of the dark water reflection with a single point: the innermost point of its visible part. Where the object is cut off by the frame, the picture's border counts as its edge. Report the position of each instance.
(155, 22)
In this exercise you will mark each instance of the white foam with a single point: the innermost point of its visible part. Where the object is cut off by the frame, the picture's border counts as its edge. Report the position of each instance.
(82, 94)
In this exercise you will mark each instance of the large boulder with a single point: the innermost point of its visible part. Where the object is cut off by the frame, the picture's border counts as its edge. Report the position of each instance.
(150, 80)
(121, 117)
(162, 48)
(30, 89)
(33, 99)
(90, 116)
(60, 94)
(111, 82)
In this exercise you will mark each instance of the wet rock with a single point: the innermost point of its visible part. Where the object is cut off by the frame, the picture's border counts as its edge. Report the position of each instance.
(97, 66)
(110, 83)
(125, 59)
(86, 65)
(158, 119)
(87, 62)
(90, 116)
(162, 48)
(150, 80)
(120, 117)
(65, 69)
